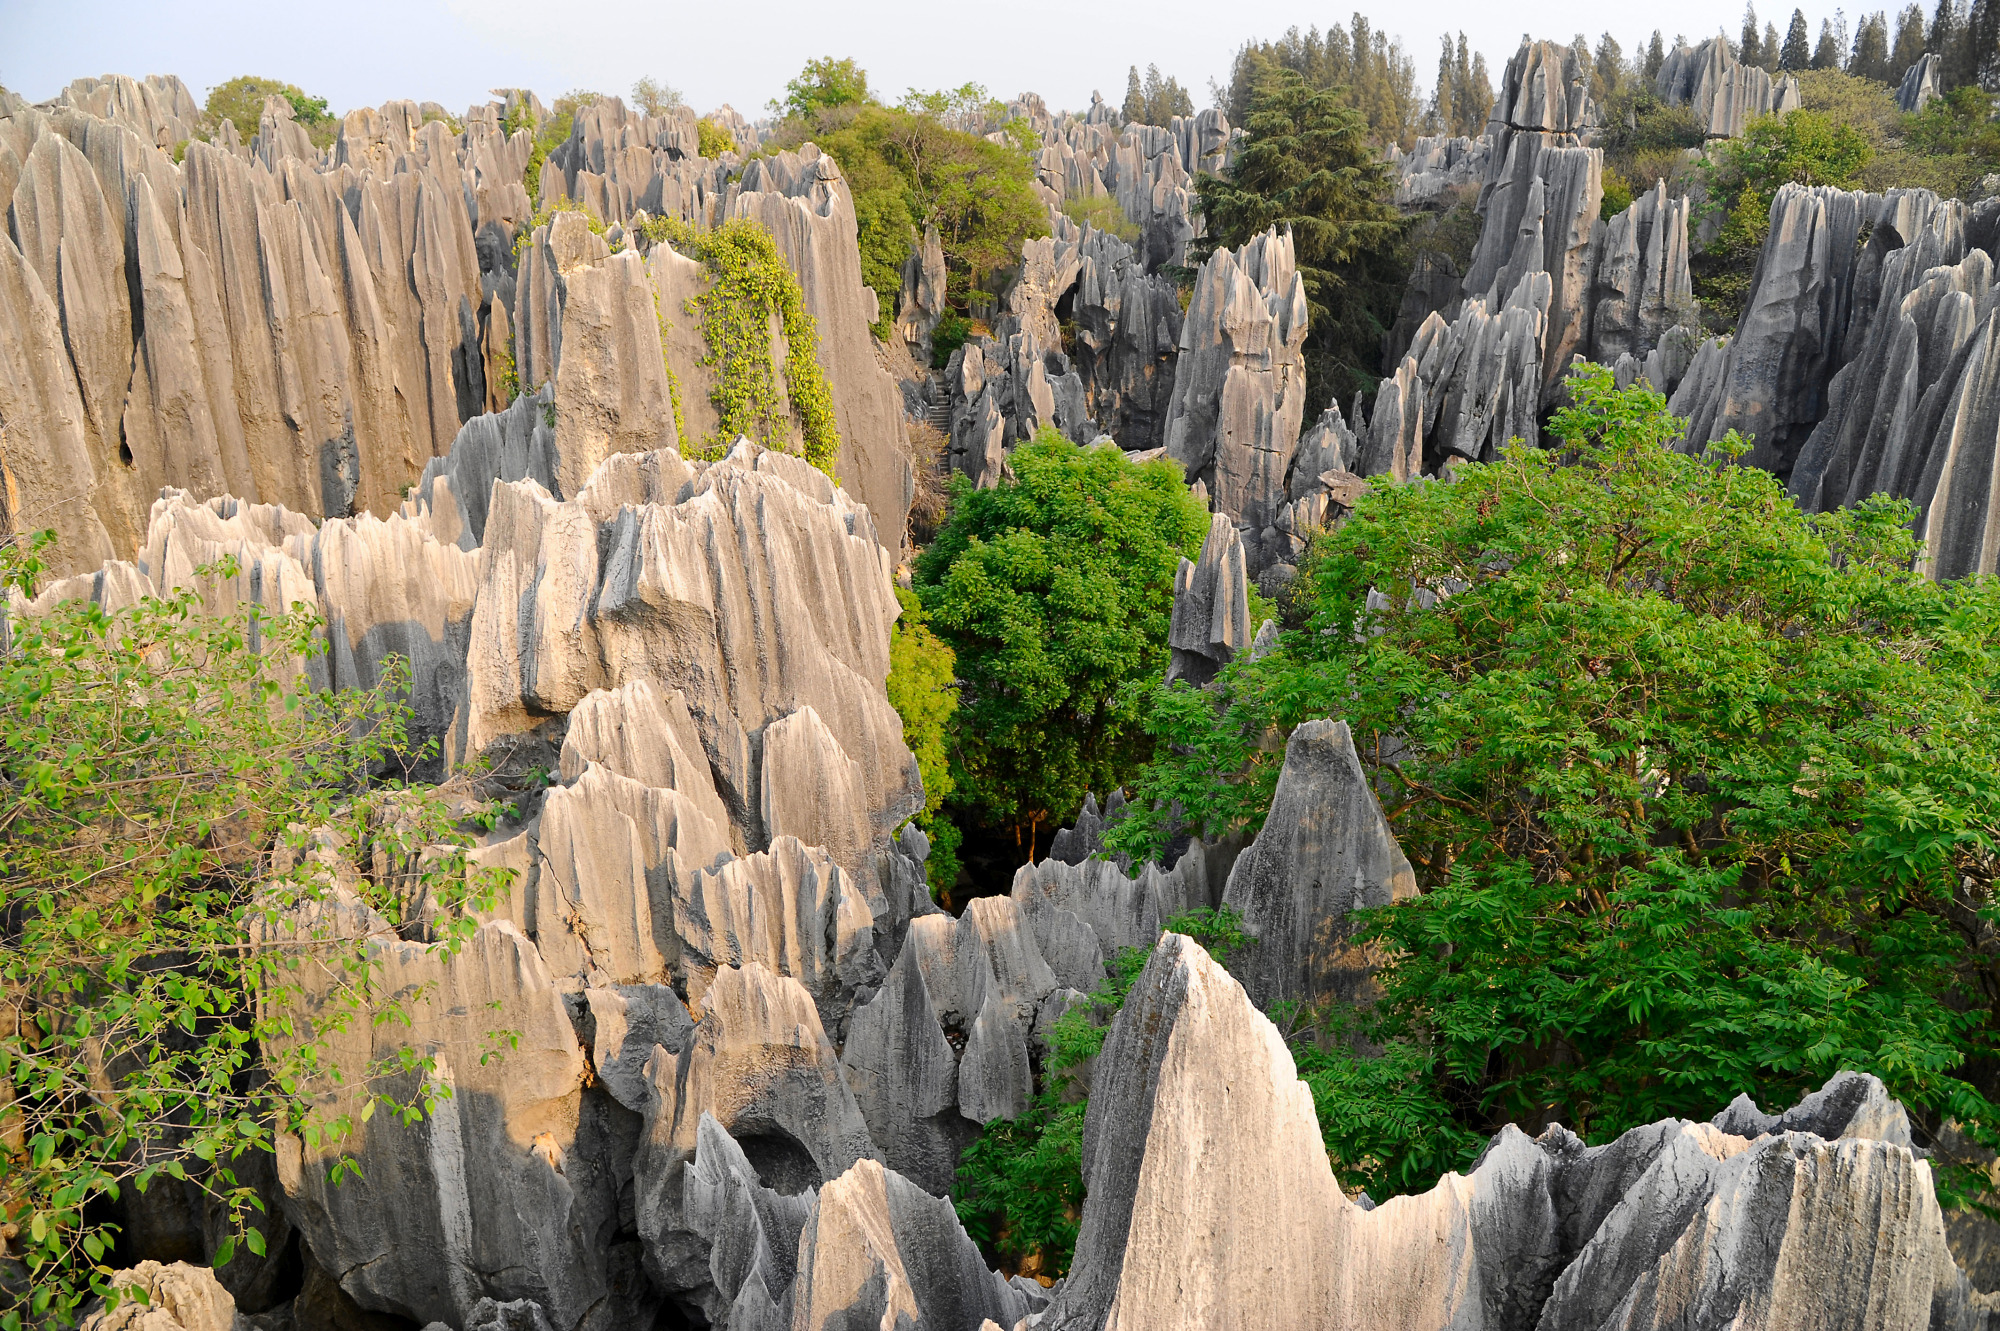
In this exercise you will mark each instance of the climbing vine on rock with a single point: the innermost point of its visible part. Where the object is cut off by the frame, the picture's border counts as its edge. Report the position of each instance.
(749, 284)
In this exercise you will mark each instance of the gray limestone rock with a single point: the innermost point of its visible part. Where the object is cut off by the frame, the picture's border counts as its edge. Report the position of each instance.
(1673, 1224)
(1211, 618)
(1725, 94)
(1325, 851)
(1921, 84)
(904, 1076)
(752, 1231)
(878, 1250)
(1239, 384)
(176, 1297)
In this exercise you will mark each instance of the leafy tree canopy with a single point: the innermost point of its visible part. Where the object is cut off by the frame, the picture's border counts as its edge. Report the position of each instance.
(655, 97)
(908, 170)
(241, 100)
(825, 83)
(1703, 792)
(1054, 589)
(921, 689)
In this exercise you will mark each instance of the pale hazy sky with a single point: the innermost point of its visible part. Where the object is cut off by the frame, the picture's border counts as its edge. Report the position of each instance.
(356, 52)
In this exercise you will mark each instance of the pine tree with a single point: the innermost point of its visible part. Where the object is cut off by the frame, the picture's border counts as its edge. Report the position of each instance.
(1947, 28)
(1752, 49)
(1444, 119)
(1909, 46)
(1771, 48)
(1871, 48)
(1981, 45)
(1477, 94)
(1826, 52)
(1607, 69)
(1135, 100)
(1656, 56)
(1798, 43)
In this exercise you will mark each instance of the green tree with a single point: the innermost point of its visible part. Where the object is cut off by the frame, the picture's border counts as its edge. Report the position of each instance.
(241, 100)
(1656, 56)
(825, 83)
(1703, 792)
(1796, 54)
(655, 97)
(1909, 46)
(163, 771)
(1054, 589)
(1305, 164)
(908, 170)
(920, 687)
(713, 138)
(1359, 64)
(1751, 50)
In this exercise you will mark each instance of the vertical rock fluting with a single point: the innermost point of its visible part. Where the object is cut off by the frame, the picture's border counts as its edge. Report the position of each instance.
(1724, 93)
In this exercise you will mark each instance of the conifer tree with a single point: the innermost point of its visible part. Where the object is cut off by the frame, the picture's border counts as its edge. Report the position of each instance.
(1909, 46)
(1656, 56)
(1751, 52)
(1135, 100)
(1607, 69)
(1826, 52)
(1797, 52)
(1870, 59)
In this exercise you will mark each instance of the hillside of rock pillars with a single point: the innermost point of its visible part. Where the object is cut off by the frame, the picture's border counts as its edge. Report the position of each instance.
(473, 429)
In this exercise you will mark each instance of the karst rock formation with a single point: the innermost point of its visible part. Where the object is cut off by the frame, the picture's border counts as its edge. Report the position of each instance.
(744, 1049)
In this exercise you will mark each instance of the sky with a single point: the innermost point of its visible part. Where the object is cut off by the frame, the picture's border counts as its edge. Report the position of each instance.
(364, 52)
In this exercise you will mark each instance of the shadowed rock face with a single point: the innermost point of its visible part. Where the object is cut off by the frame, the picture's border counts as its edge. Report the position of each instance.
(1863, 368)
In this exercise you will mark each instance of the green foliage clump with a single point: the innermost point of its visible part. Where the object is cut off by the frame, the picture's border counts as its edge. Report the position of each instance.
(907, 170)
(1958, 136)
(525, 235)
(713, 138)
(1020, 1183)
(1156, 100)
(162, 769)
(749, 283)
(921, 670)
(953, 331)
(1054, 589)
(1801, 147)
(1645, 140)
(1617, 194)
(1703, 792)
(241, 100)
(1362, 66)
(1305, 163)
(822, 85)
(551, 134)
(1102, 211)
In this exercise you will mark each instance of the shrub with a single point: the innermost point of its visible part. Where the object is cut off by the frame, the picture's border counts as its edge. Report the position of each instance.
(1617, 194)
(1054, 590)
(921, 667)
(161, 767)
(1703, 792)
(241, 100)
(714, 138)
(1102, 211)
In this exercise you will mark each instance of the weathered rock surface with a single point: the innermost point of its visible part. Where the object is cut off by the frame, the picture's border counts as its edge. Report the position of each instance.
(1921, 84)
(1211, 617)
(1862, 368)
(1724, 93)
(1325, 851)
(178, 1297)
(1674, 1224)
